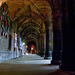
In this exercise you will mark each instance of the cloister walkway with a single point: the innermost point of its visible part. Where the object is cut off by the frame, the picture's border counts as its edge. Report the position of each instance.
(30, 64)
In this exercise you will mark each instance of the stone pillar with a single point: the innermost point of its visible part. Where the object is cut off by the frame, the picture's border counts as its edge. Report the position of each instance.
(68, 30)
(42, 44)
(12, 46)
(0, 35)
(48, 40)
(42, 39)
(39, 45)
(18, 43)
(57, 35)
(57, 43)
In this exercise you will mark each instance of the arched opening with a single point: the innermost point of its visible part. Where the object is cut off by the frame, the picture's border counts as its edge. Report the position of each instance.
(32, 47)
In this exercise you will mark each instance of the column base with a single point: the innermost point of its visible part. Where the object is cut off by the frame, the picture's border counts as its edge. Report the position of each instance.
(54, 62)
(56, 57)
(48, 58)
(48, 55)
(40, 53)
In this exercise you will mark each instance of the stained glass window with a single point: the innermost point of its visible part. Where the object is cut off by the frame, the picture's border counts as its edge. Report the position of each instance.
(5, 20)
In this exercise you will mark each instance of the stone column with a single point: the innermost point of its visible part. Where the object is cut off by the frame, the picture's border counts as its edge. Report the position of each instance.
(42, 44)
(0, 35)
(57, 35)
(48, 26)
(68, 30)
(42, 39)
(39, 45)
(57, 43)
(12, 46)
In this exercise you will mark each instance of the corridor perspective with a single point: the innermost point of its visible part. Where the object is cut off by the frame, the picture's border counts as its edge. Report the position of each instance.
(37, 37)
(30, 64)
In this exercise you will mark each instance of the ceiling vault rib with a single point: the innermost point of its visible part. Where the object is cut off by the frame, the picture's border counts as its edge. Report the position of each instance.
(51, 4)
(38, 10)
(30, 16)
(31, 36)
(23, 26)
(31, 28)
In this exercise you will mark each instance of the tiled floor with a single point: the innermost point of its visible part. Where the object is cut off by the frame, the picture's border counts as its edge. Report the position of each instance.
(30, 65)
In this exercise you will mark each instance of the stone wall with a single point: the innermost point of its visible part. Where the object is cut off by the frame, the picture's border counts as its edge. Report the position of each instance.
(7, 44)
(5, 54)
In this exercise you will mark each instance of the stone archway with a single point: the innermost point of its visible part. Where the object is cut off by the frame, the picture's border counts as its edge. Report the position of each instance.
(32, 47)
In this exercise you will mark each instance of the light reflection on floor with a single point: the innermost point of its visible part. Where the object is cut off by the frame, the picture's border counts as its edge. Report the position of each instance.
(29, 59)
(30, 64)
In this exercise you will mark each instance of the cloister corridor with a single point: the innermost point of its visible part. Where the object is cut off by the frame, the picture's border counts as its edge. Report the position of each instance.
(37, 37)
(30, 64)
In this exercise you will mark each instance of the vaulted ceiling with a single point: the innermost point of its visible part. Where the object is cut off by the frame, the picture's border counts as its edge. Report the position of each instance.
(30, 16)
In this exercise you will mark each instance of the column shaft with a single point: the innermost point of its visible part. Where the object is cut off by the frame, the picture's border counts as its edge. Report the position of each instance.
(57, 35)
(48, 40)
(68, 54)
